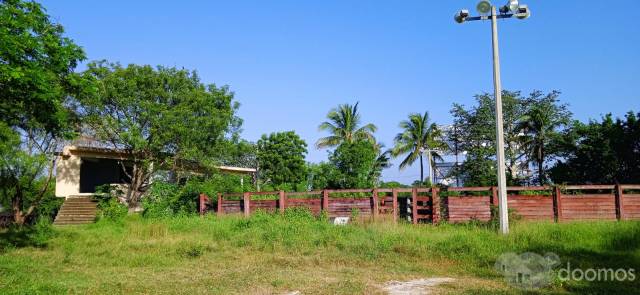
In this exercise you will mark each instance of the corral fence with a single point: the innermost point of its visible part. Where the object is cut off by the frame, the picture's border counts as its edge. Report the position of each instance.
(432, 205)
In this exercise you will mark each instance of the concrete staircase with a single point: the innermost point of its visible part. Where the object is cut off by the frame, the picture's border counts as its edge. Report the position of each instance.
(76, 210)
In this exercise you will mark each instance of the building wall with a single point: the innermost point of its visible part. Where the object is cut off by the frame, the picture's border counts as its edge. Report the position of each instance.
(68, 175)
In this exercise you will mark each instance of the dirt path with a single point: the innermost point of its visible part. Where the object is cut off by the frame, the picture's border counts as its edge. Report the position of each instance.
(415, 287)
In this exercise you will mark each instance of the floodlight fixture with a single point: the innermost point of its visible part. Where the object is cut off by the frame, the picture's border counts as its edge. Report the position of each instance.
(523, 12)
(461, 16)
(484, 7)
(513, 5)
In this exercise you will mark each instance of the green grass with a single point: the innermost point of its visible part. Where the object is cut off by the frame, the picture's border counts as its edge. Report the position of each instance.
(268, 254)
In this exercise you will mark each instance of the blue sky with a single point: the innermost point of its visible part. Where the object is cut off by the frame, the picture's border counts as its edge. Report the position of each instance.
(289, 62)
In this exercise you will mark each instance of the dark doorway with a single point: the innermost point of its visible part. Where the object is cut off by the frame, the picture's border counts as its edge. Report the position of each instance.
(95, 172)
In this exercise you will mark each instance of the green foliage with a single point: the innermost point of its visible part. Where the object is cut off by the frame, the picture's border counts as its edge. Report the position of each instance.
(354, 163)
(540, 126)
(36, 72)
(530, 124)
(112, 210)
(109, 205)
(38, 82)
(48, 207)
(600, 152)
(418, 137)
(37, 236)
(418, 183)
(344, 126)
(281, 158)
(392, 184)
(165, 199)
(164, 117)
(321, 175)
(26, 176)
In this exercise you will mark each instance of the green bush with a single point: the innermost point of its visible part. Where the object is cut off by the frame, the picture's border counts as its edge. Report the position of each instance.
(165, 199)
(109, 207)
(112, 210)
(48, 208)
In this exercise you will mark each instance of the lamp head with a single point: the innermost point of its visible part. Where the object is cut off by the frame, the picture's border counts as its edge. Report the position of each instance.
(513, 5)
(484, 7)
(461, 16)
(522, 12)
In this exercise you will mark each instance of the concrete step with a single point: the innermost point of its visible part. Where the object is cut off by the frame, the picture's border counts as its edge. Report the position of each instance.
(58, 223)
(79, 205)
(73, 207)
(76, 210)
(80, 202)
(61, 214)
(75, 218)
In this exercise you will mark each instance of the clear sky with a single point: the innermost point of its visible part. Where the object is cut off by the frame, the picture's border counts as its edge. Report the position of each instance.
(289, 62)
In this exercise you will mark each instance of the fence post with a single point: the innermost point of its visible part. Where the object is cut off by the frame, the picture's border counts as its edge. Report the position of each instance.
(414, 205)
(282, 202)
(435, 205)
(619, 202)
(394, 192)
(374, 208)
(325, 201)
(246, 197)
(220, 207)
(203, 205)
(557, 199)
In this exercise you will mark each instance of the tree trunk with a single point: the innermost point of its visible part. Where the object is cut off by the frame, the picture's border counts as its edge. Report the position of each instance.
(133, 191)
(421, 169)
(18, 217)
(541, 165)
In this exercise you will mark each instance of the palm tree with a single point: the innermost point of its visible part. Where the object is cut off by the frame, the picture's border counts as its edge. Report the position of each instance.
(344, 126)
(419, 137)
(539, 126)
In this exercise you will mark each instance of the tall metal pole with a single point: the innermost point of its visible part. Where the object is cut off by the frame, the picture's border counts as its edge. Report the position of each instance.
(502, 182)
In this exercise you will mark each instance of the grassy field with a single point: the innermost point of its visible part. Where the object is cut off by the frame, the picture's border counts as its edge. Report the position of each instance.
(268, 254)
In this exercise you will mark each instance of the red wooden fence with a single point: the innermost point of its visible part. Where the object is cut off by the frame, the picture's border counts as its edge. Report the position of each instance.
(455, 205)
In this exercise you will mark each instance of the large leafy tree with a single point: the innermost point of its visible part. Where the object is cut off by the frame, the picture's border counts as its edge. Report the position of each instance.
(419, 137)
(163, 118)
(344, 126)
(281, 158)
(475, 135)
(600, 152)
(355, 163)
(36, 72)
(37, 80)
(541, 126)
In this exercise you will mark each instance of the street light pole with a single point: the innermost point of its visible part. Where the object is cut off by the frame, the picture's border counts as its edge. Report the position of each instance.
(502, 181)
(513, 8)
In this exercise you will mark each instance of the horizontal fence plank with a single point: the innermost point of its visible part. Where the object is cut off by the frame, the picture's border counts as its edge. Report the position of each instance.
(630, 186)
(347, 191)
(468, 189)
(310, 193)
(589, 187)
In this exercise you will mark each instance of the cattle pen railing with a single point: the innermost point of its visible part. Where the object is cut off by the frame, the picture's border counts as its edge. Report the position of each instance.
(432, 205)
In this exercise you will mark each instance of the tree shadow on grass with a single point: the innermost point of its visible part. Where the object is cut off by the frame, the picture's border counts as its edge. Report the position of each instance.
(20, 237)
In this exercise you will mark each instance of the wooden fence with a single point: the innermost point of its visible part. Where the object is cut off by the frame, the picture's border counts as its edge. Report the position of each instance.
(455, 205)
